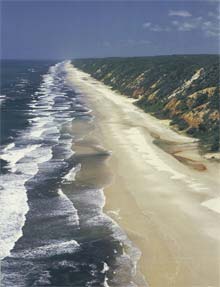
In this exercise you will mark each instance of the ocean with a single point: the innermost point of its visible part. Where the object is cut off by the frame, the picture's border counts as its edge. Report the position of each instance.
(53, 231)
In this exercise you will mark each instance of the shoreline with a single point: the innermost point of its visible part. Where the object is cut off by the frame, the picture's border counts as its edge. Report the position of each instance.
(94, 171)
(156, 199)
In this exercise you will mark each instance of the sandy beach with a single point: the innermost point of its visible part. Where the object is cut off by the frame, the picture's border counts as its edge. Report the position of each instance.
(163, 193)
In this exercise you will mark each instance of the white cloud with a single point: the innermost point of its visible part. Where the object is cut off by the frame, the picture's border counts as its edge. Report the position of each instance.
(191, 24)
(155, 27)
(186, 27)
(147, 24)
(179, 13)
(211, 29)
(209, 26)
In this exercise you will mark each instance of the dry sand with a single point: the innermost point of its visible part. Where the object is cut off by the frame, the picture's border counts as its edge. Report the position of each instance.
(168, 207)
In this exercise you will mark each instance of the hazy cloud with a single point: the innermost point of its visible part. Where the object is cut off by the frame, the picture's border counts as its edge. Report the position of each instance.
(210, 27)
(126, 43)
(179, 13)
(132, 42)
(215, 15)
(191, 24)
(147, 25)
(155, 27)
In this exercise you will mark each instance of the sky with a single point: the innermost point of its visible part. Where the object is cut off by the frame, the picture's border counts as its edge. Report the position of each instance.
(82, 29)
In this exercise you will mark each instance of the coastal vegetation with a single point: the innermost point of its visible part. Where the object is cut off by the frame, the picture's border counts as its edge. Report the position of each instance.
(182, 88)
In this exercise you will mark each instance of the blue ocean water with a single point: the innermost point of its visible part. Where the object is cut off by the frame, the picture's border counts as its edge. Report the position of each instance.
(53, 231)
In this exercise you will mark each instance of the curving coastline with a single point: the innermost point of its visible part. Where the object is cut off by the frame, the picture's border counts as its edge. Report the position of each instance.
(159, 201)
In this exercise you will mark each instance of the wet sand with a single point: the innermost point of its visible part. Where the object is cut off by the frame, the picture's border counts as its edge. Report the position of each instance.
(161, 201)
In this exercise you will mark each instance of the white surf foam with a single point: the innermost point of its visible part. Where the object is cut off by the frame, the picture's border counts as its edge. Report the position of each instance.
(131, 256)
(9, 146)
(71, 175)
(42, 154)
(2, 99)
(24, 161)
(106, 282)
(69, 207)
(105, 268)
(13, 202)
(13, 197)
(13, 154)
(48, 250)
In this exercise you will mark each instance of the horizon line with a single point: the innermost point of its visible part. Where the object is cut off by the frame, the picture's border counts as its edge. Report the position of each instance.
(105, 57)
